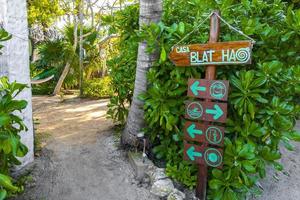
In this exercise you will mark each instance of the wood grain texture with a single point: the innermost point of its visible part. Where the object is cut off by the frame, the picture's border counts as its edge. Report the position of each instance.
(207, 135)
(218, 53)
(208, 89)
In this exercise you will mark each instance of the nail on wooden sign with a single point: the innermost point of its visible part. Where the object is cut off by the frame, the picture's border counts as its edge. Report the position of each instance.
(219, 53)
(206, 111)
(204, 133)
(208, 89)
(210, 156)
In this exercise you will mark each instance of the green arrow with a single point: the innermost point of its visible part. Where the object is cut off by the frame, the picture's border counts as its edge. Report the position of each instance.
(192, 153)
(195, 88)
(217, 112)
(193, 131)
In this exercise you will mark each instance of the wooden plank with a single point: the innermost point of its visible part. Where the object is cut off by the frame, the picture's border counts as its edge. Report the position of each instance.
(206, 111)
(204, 133)
(208, 89)
(203, 155)
(217, 53)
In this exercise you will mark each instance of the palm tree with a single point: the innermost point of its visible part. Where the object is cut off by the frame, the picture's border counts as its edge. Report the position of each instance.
(150, 12)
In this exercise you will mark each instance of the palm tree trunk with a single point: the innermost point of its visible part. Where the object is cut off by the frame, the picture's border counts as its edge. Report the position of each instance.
(62, 78)
(68, 64)
(150, 12)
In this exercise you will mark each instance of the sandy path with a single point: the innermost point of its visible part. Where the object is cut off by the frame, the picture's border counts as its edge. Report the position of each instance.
(81, 160)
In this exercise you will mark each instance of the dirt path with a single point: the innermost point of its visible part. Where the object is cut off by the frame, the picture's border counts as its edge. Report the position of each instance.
(284, 185)
(80, 160)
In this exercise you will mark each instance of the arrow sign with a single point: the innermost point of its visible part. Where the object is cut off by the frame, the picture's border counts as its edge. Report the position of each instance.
(203, 155)
(204, 133)
(217, 112)
(208, 89)
(206, 111)
(192, 153)
(195, 87)
(192, 131)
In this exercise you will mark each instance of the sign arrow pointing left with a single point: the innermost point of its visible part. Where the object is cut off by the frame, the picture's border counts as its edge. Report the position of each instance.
(192, 153)
(195, 88)
(193, 131)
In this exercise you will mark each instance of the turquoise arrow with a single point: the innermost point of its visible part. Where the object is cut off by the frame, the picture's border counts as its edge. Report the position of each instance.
(217, 112)
(192, 131)
(195, 88)
(192, 153)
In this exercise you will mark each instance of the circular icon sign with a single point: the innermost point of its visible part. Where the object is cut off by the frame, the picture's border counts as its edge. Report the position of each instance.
(214, 135)
(213, 157)
(194, 110)
(218, 90)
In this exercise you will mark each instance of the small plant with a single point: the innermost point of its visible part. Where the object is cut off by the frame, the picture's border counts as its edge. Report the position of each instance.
(11, 125)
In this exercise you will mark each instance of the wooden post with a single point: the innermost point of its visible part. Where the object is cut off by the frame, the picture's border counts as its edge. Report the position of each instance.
(210, 74)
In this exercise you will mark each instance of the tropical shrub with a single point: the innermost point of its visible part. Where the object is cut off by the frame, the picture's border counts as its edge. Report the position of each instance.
(122, 65)
(11, 124)
(98, 87)
(263, 102)
(54, 54)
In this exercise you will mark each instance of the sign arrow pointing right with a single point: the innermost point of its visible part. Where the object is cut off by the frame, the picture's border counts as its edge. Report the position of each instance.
(217, 112)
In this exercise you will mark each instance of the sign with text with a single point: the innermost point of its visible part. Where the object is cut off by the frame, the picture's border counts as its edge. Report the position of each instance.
(219, 53)
(208, 89)
(206, 111)
(204, 133)
(212, 157)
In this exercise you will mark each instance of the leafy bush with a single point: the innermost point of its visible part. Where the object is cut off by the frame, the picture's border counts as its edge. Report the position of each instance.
(98, 87)
(11, 124)
(122, 65)
(263, 101)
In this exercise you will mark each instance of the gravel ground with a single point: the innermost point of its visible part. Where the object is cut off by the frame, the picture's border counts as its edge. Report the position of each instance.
(80, 159)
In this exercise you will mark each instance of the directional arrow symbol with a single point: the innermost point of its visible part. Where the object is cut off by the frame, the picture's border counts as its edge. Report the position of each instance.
(217, 112)
(195, 88)
(192, 153)
(192, 131)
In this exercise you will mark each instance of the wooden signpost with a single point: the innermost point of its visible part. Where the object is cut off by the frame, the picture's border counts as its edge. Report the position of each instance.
(219, 53)
(212, 109)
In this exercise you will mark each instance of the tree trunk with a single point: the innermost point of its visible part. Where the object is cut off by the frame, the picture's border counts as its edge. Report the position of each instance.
(150, 12)
(62, 78)
(14, 63)
(68, 64)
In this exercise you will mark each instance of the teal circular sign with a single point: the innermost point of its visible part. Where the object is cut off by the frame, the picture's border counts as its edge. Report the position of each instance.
(213, 157)
(194, 110)
(214, 135)
(218, 90)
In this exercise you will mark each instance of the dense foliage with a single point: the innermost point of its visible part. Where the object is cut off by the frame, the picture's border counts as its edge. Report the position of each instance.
(97, 87)
(122, 65)
(10, 126)
(263, 101)
(43, 12)
(54, 54)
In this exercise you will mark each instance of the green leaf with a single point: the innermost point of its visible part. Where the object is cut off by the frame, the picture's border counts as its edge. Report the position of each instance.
(247, 152)
(163, 55)
(181, 28)
(217, 173)
(249, 166)
(4, 119)
(5, 181)
(215, 184)
(3, 194)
